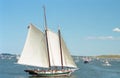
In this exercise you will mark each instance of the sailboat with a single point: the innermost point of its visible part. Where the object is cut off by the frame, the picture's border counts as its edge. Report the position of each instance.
(106, 63)
(48, 52)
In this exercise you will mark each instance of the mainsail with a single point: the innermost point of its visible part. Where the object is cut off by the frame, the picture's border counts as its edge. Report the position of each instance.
(35, 50)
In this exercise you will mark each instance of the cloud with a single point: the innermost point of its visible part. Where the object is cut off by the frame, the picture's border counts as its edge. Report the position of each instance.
(102, 38)
(116, 29)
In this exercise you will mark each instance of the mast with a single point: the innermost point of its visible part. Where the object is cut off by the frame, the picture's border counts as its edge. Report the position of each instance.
(59, 34)
(46, 35)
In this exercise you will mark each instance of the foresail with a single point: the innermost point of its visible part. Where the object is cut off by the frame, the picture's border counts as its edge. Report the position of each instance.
(67, 58)
(34, 52)
(54, 48)
(54, 51)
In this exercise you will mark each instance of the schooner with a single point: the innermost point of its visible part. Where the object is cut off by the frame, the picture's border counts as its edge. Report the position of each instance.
(46, 50)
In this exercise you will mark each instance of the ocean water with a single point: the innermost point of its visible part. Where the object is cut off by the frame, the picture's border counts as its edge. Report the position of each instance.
(93, 69)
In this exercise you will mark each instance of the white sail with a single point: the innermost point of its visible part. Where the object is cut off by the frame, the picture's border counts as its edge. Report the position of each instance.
(67, 58)
(54, 51)
(54, 48)
(34, 52)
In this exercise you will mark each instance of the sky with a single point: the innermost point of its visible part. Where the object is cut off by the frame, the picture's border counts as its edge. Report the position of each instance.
(89, 27)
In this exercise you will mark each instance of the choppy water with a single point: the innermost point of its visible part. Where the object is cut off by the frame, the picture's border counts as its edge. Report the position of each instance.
(94, 69)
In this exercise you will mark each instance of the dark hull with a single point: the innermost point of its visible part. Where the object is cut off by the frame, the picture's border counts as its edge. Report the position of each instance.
(48, 74)
(86, 62)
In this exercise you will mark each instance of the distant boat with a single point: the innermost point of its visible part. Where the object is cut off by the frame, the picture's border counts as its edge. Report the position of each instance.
(106, 63)
(46, 50)
(86, 60)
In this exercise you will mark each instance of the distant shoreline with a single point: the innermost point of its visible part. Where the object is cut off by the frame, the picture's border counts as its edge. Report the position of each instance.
(108, 56)
(99, 56)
